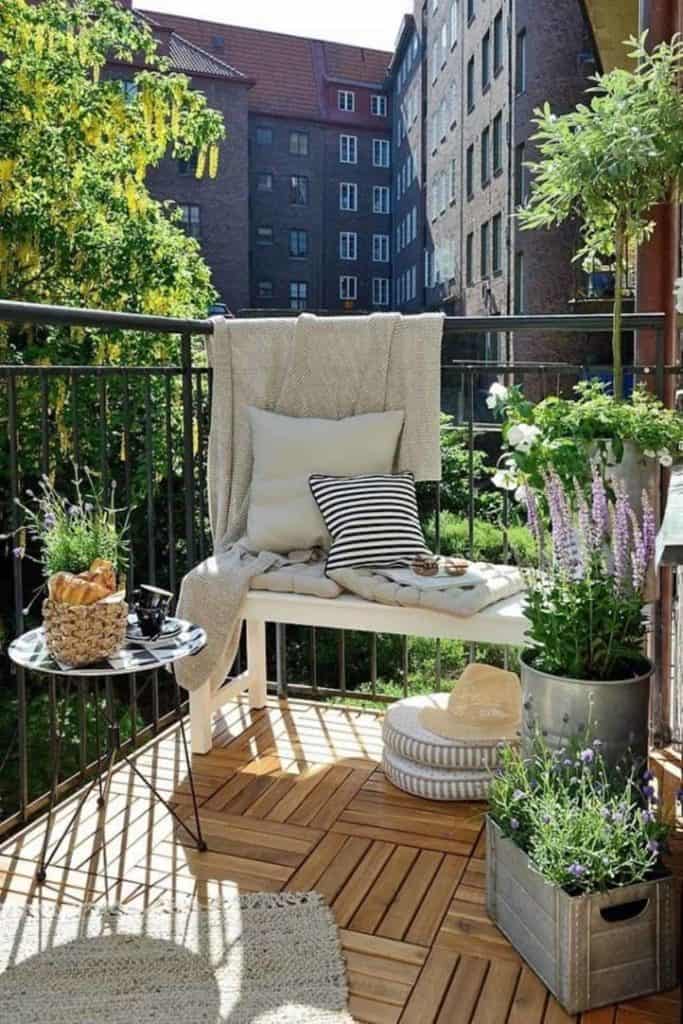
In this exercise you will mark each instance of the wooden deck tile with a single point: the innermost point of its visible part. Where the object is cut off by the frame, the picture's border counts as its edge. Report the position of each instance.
(292, 797)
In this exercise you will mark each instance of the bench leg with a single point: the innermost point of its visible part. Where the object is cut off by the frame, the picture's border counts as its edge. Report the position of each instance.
(256, 663)
(201, 713)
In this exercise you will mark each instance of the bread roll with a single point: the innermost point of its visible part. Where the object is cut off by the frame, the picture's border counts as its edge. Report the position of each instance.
(65, 588)
(103, 572)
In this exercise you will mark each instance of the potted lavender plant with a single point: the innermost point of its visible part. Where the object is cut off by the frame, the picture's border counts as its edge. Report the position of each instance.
(575, 877)
(585, 666)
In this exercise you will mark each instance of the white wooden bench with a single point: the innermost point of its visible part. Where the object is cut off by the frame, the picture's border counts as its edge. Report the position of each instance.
(502, 623)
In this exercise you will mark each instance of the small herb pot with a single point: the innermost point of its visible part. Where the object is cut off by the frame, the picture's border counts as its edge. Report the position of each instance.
(589, 950)
(616, 712)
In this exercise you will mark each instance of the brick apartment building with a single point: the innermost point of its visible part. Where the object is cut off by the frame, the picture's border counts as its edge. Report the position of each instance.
(363, 179)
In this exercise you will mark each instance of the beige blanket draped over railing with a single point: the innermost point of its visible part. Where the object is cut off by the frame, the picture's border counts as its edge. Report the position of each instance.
(320, 367)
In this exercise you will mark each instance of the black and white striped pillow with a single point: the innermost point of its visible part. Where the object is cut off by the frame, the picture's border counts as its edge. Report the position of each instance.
(373, 520)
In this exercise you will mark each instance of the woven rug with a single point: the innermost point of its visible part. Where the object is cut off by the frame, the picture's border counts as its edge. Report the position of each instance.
(271, 958)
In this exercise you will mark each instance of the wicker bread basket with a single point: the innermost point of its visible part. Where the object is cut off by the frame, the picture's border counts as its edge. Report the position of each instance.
(81, 634)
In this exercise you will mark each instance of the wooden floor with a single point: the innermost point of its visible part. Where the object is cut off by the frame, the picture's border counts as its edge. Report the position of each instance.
(292, 798)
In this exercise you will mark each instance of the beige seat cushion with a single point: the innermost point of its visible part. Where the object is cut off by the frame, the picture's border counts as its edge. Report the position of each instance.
(282, 514)
(297, 578)
(434, 783)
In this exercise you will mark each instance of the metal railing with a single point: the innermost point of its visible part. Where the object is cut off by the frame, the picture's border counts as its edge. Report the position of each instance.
(145, 429)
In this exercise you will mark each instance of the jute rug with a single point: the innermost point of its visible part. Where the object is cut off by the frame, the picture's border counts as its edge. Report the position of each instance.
(271, 958)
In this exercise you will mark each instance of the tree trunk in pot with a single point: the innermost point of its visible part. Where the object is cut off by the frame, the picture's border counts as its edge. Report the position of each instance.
(617, 713)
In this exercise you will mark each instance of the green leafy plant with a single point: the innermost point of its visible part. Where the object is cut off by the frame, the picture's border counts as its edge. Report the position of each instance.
(585, 602)
(569, 436)
(71, 535)
(583, 827)
(609, 162)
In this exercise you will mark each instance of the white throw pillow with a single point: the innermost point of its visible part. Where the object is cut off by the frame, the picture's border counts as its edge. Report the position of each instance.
(283, 515)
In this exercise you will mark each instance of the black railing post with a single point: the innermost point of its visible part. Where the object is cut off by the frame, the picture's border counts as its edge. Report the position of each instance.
(188, 446)
(17, 579)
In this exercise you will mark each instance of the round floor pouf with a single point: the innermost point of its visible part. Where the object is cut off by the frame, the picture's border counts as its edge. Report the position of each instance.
(434, 783)
(405, 736)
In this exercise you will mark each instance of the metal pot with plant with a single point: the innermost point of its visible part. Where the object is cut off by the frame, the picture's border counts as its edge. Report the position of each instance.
(585, 667)
(575, 876)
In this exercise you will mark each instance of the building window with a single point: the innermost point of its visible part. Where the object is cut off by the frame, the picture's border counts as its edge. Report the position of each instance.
(443, 119)
(190, 219)
(453, 102)
(381, 201)
(348, 287)
(453, 22)
(470, 10)
(378, 106)
(485, 156)
(264, 136)
(497, 244)
(498, 43)
(264, 236)
(520, 66)
(264, 289)
(264, 182)
(348, 149)
(435, 60)
(298, 294)
(413, 223)
(453, 181)
(348, 245)
(298, 143)
(469, 172)
(346, 100)
(298, 243)
(380, 248)
(348, 196)
(470, 84)
(129, 89)
(381, 152)
(484, 252)
(380, 291)
(498, 143)
(520, 175)
(469, 259)
(298, 190)
(486, 61)
(519, 283)
(187, 168)
(444, 43)
(443, 192)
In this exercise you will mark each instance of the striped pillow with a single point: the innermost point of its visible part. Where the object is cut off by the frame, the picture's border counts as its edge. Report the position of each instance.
(373, 520)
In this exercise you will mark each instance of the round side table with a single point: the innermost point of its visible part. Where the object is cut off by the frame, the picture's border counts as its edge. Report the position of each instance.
(30, 651)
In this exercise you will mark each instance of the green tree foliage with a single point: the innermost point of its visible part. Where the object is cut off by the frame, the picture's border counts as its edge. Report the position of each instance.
(611, 161)
(77, 223)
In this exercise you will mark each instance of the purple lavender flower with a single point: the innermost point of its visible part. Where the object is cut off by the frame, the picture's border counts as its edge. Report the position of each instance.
(585, 521)
(621, 540)
(567, 762)
(599, 511)
(647, 777)
(18, 552)
(518, 794)
(565, 547)
(679, 797)
(647, 817)
(618, 817)
(49, 521)
(514, 824)
(649, 528)
(606, 813)
(638, 554)
(652, 846)
(533, 518)
(74, 511)
(587, 756)
(88, 507)
(545, 819)
(577, 870)
(649, 791)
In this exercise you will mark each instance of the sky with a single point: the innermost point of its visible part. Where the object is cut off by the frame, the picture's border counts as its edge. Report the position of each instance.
(371, 23)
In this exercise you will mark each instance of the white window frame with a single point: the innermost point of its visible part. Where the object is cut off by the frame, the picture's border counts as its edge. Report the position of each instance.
(453, 21)
(348, 149)
(378, 105)
(381, 153)
(346, 100)
(348, 245)
(348, 287)
(381, 199)
(380, 249)
(351, 205)
(380, 291)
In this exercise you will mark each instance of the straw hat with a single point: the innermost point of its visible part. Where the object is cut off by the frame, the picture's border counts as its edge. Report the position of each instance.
(485, 704)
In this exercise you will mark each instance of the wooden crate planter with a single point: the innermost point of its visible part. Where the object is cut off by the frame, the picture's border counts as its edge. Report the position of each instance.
(589, 950)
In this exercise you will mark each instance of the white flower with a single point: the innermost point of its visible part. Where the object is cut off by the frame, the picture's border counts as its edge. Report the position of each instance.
(506, 479)
(649, 454)
(523, 436)
(520, 495)
(664, 456)
(498, 394)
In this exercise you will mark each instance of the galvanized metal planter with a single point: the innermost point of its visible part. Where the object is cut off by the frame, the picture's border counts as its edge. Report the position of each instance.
(589, 950)
(616, 712)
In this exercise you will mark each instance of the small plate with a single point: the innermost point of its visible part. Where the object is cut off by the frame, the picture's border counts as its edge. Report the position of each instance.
(169, 629)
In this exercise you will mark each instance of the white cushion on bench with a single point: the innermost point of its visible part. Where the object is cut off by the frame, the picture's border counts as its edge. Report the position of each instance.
(434, 783)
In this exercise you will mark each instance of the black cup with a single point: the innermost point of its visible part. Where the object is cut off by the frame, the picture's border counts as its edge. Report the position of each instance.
(151, 606)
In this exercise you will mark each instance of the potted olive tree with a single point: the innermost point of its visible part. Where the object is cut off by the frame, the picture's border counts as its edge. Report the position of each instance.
(609, 162)
(575, 877)
(584, 667)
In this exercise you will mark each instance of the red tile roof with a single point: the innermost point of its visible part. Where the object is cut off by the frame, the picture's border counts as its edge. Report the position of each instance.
(288, 71)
